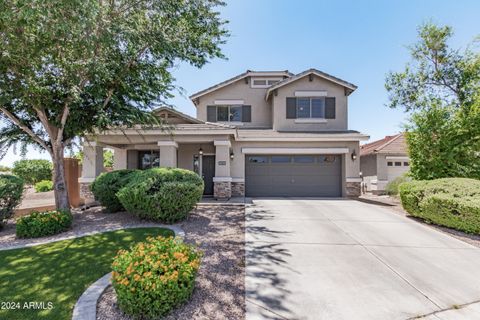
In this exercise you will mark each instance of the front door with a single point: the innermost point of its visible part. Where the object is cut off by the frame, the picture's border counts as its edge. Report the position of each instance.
(208, 172)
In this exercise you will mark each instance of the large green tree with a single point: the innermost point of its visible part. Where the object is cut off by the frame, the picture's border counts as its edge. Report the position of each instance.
(440, 89)
(73, 67)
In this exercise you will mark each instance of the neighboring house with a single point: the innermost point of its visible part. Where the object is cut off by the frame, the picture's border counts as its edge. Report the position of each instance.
(261, 133)
(382, 161)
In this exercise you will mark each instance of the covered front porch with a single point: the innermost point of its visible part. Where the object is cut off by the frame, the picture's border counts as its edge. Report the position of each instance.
(209, 155)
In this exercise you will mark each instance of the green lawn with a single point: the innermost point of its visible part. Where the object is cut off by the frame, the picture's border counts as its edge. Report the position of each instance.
(60, 272)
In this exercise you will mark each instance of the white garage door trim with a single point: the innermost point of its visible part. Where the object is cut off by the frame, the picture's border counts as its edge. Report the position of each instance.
(396, 158)
(295, 150)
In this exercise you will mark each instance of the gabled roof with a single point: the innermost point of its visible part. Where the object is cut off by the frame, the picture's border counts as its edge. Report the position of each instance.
(316, 72)
(390, 144)
(247, 73)
(177, 113)
(191, 122)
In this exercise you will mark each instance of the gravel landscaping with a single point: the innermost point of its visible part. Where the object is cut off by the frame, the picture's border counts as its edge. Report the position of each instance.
(219, 289)
(394, 204)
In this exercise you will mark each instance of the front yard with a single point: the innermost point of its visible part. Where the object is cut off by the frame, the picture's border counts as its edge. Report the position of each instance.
(60, 272)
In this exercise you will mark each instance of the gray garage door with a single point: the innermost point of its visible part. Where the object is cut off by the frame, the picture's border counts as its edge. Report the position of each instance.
(293, 175)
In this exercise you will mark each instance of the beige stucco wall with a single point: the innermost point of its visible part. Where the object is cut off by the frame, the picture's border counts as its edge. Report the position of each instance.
(382, 167)
(239, 90)
(375, 170)
(368, 165)
(132, 159)
(280, 121)
(187, 151)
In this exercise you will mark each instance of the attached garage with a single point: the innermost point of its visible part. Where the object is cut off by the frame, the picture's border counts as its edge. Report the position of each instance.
(293, 175)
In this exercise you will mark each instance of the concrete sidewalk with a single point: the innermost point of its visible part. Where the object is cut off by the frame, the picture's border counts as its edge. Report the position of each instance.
(344, 259)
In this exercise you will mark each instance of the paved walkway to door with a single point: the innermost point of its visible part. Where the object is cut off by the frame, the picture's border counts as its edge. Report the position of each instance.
(344, 259)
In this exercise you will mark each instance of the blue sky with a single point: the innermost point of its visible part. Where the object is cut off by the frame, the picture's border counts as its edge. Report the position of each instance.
(358, 41)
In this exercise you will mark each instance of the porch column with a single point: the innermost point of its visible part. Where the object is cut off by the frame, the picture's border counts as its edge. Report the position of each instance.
(119, 159)
(168, 153)
(222, 182)
(92, 166)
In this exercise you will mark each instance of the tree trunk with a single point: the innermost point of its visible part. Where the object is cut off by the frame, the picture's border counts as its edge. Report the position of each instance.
(59, 182)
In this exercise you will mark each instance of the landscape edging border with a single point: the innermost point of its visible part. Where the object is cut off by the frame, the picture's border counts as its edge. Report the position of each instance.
(174, 227)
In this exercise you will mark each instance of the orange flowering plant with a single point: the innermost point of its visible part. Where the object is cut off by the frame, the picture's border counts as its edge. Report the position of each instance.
(41, 224)
(155, 276)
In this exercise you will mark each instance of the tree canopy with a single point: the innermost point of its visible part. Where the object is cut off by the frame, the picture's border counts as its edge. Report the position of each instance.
(72, 67)
(441, 90)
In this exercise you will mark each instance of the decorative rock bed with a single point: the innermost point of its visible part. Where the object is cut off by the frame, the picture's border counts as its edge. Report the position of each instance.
(219, 290)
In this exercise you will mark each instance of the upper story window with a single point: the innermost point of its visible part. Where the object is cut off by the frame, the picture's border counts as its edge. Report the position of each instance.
(229, 113)
(264, 82)
(311, 108)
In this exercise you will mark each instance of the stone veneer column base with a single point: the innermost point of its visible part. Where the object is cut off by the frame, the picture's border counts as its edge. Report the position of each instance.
(222, 190)
(238, 189)
(85, 191)
(353, 189)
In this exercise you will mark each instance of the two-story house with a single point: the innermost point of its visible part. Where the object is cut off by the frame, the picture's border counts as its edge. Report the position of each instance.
(261, 133)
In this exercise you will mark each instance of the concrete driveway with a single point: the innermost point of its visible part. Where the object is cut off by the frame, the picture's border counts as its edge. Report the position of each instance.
(344, 259)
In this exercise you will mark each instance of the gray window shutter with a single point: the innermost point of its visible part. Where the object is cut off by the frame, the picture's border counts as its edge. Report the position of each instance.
(330, 108)
(291, 108)
(212, 113)
(246, 113)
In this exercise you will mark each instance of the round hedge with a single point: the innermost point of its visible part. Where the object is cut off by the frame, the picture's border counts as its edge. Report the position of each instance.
(11, 190)
(44, 186)
(41, 224)
(33, 170)
(107, 184)
(162, 194)
(154, 277)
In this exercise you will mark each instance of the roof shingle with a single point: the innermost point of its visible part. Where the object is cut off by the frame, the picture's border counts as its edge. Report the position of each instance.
(390, 144)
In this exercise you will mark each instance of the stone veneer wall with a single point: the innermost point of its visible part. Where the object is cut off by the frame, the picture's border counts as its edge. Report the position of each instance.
(222, 190)
(85, 192)
(353, 189)
(238, 189)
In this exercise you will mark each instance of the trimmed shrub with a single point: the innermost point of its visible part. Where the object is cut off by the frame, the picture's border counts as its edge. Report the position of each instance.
(107, 185)
(43, 186)
(162, 194)
(450, 202)
(392, 187)
(11, 190)
(41, 224)
(154, 277)
(33, 171)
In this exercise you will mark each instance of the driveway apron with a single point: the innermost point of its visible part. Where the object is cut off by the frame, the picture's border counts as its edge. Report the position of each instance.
(344, 259)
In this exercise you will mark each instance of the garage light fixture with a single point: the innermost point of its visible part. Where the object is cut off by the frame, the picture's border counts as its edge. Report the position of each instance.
(354, 155)
(200, 151)
(232, 155)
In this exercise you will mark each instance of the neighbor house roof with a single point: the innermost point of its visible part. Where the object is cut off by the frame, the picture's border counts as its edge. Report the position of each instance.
(321, 74)
(390, 145)
(248, 73)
